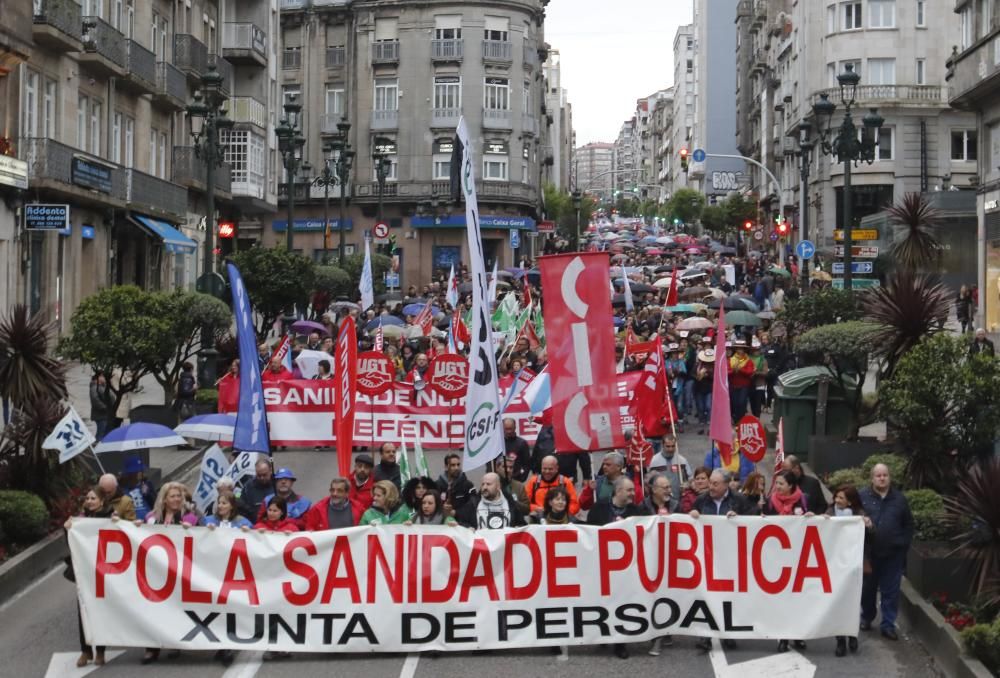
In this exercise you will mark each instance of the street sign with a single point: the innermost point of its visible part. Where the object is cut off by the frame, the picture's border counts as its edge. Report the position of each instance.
(391, 280)
(857, 267)
(774, 236)
(550, 227)
(381, 230)
(46, 217)
(805, 249)
(515, 239)
(858, 251)
(856, 283)
(758, 235)
(698, 155)
(857, 234)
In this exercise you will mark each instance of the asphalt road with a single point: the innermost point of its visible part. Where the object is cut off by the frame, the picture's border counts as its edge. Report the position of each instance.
(38, 637)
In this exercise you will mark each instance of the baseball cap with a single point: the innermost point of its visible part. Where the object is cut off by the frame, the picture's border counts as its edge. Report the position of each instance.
(284, 473)
(134, 465)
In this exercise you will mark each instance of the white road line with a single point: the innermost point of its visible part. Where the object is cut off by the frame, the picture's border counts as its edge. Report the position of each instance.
(410, 666)
(784, 665)
(246, 665)
(720, 667)
(31, 587)
(63, 664)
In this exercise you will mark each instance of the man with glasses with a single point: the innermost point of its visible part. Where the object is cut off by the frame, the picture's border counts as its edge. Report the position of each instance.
(671, 463)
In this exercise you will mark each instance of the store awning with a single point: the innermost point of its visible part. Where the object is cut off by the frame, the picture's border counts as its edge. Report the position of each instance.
(173, 240)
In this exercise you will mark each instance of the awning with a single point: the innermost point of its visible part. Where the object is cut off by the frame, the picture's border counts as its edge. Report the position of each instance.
(173, 240)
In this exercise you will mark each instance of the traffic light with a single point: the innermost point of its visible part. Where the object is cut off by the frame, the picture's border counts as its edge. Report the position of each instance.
(747, 225)
(782, 227)
(677, 221)
(227, 229)
(684, 159)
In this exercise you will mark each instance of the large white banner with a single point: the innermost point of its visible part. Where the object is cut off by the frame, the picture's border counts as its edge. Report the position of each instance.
(404, 589)
(483, 435)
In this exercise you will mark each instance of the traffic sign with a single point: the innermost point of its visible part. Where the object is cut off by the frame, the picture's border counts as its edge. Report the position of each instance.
(805, 249)
(857, 267)
(857, 234)
(758, 235)
(515, 239)
(856, 283)
(381, 230)
(391, 280)
(699, 155)
(858, 251)
(774, 236)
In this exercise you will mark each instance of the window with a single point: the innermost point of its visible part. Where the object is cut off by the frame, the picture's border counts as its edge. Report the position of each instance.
(831, 19)
(29, 112)
(526, 97)
(49, 99)
(335, 100)
(831, 75)
(290, 93)
(441, 158)
(885, 144)
(494, 167)
(291, 55)
(387, 149)
(129, 141)
(966, 19)
(116, 14)
(129, 20)
(245, 156)
(996, 51)
(855, 63)
(921, 71)
(690, 43)
(690, 65)
(882, 13)
(93, 8)
(852, 16)
(386, 94)
(994, 148)
(496, 94)
(116, 137)
(448, 27)
(386, 29)
(921, 13)
(964, 145)
(163, 155)
(986, 18)
(82, 104)
(881, 72)
(447, 92)
(497, 28)
(152, 151)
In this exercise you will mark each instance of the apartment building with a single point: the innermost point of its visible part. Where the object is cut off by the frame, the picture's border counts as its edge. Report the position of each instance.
(789, 53)
(662, 145)
(652, 118)
(402, 74)
(684, 103)
(624, 156)
(593, 163)
(559, 110)
(103, 128)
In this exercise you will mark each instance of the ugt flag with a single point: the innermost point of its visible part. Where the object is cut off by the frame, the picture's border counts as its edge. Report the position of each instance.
(250, 434)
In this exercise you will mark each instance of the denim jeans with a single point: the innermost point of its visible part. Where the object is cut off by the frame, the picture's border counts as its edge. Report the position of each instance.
(885, 579)
(738, 398)
(703, 403)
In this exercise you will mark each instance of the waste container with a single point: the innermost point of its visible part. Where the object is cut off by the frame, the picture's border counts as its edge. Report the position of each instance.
(796, 395)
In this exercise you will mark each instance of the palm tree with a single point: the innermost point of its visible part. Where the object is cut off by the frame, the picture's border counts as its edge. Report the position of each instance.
(919, 248)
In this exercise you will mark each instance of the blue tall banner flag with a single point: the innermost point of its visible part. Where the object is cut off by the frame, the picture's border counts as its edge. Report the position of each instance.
(251, 420)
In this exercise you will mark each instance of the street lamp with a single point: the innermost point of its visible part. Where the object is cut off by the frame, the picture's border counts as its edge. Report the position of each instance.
(848, 146)
(290, 143)
(577, 201)
(344, 160)
(207, 108)
(382, 167)
(805, 151)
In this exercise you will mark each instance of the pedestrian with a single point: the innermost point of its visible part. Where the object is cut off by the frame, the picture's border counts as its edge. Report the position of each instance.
(257, 490)
(703, 380)
(847, 503)
(660, 499)
(335, 511)
(453, 485)
(172, 507)
(517, 446)
(120, 502)
(504, 467)
(753, 490)
(101, 403)
(671, 463)
(275, 518)
(892, 531)
(981, 345)
(539, 484)
(295, 504)
(612, 468)
(555, 510)
(758, 387)
(95, 505)
(431, 511)
(362, 480)
(963, 309)
(415, 490)
(323, 371)
(387, 468)
(187, 386)
(812, 488)
(226, 513)
(695, 488)
(741, 372)
(138, 488)
(386, 508)
(276, 371)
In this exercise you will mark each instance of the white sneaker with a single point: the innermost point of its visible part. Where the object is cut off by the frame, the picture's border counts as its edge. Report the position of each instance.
(654, 647)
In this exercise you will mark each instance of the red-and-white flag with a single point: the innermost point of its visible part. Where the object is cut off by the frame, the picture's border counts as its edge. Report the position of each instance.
(459, 330)
(651, 402)
(379, 336)
(779, 447)
(452, 296)
(283, 352)
(639, 450)
(526, 293)
(346, 357)
(721, 429)
(425, 319)
(529, 333)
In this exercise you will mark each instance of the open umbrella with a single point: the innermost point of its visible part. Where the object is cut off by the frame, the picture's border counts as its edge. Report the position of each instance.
(692, 273)
(654, 251)
(778, 270)
(619, 257)
(666, 268)
(742, 318)
(663, 282)
(682, 308)
(208, 427)
(692, 250)
(641, 288)
(728, 303)
(338, 306)
(694, 324)
(307, 326)
(665, 240)
(504, 273)
(140, 436)
(415, 309)
(767, 315)
(387, 321)
(697, 292)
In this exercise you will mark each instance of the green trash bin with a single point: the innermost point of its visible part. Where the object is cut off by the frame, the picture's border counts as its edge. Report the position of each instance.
(796, 395)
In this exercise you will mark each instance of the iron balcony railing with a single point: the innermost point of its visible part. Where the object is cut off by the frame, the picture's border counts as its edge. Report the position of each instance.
(385, 119)
(100, 37)
(497, 50)
(225, 69)
(51, 160)
(447, 50)
(335, 57)
(934, 94)
(385, 51)
(189, 169)
(64, 15)
(244, 35)
(248, 110)
(496, 119)
(142, 64)
(190, 54)
(170, 82)
(445, 117)
(154, 193)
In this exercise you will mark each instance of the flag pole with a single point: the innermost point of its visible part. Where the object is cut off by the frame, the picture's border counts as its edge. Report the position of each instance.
(97, 459)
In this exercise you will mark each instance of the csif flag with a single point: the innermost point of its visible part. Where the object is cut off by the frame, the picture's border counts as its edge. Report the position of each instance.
(250, 434)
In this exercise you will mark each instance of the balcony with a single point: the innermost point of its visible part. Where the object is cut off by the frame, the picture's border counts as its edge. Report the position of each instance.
(141, 77)
(496, 119)
(759, 17)
(149, 194)
(385, 52)
(190, 55)
(225, 69)
(896, 95)
(189, 171)
(171, 87)
(744, 8)
(529, 125)
(530, 56)
(497, 51)
(293, 4)
(104, 49)
(447, 50)
(291, 58)
(58, 25)
(328, 123)
(446, 118)
(382, 120)
(248, 111)
(251, 185)
(336, 57)
(244, 43)
(73, 175)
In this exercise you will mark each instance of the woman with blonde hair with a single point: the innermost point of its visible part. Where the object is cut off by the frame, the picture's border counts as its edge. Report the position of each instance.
(172, 507)
(386, 508)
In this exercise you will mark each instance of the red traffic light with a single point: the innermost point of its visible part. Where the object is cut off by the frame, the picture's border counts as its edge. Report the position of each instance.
(227, 229)
(783, 228)
(683, 152)
(747, 225)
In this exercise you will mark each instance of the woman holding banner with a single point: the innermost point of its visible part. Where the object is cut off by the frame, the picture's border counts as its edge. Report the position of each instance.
(386, 509)
(787, 500)
(95, 505)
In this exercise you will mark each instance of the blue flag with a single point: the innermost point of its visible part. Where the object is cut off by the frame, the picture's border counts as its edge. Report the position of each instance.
(251, 419)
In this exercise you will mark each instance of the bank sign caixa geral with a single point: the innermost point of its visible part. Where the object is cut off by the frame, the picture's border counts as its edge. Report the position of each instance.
(39, 217)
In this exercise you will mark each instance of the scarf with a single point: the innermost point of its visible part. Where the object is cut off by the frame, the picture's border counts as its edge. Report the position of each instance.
(785, 504)
(553, 518)
(493, 514)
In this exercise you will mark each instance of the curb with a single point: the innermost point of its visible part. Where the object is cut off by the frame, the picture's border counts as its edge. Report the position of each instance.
(938, 637)
(29, 565)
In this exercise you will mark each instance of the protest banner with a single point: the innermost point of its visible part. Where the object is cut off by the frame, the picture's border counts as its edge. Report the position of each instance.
(397, 589)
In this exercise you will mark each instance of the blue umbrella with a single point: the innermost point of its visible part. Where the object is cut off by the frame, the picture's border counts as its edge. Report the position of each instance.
(618, 321)
(138, 437)
(386, 321)
(681, 308)
(414, 309)
(208, 427)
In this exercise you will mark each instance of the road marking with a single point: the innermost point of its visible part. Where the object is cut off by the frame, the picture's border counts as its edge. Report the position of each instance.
(63, 664)
(31, 587)
(246, 665)
(784, 665)
(410, 666)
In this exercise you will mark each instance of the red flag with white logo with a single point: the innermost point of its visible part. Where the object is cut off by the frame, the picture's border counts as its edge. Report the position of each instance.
(346, 357)
(424, 319)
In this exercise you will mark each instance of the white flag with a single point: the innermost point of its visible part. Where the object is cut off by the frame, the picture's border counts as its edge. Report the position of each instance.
(70, 436)
(491, 295)
(213, 467)
(452, 296)
(629, 304)
(366, 284)
(483, 435)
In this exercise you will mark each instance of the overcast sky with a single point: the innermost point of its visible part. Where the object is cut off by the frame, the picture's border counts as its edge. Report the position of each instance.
(612, 54)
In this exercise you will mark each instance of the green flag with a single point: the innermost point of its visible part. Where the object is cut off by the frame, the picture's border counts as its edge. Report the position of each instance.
(404, 464)
(419, 459)
(539, 326)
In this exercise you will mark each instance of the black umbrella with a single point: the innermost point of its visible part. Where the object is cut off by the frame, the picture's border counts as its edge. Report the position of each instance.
(729, 303)
(642, 288)
(664, 269)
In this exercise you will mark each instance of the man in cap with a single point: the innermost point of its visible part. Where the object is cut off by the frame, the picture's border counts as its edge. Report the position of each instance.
(602, 487)
(741, 370)
(284, 480)
(135, 485)
(362, 481)
(703, 379)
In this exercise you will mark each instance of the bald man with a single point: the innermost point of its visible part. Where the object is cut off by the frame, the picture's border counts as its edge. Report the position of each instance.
(492, 509)
(121, 503)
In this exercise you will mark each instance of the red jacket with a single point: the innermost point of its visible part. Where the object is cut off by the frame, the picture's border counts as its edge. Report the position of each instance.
(285, 525)
(318, 516)
(741, 378)
(362, 494)
(283, 375)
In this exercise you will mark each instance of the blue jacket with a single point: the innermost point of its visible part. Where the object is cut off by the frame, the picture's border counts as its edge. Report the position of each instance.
(236, 523)
(713, 460)
(297, 506)
(891, 520)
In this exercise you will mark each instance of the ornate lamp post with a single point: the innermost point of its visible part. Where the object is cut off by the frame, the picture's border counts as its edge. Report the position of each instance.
(345, 159)
(382, 167)
(290, 143)
(577, 202)
(326, 178)
(849, 147)
(805, 151)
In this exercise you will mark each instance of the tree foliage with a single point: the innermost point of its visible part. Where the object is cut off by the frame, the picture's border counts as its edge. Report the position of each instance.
(686, 204)
(276, 280)
(27, 371)
(560, 209)
(726, 217)
(944, 406)
(820, 307)
(356, 262)
(845, 349)
(919, 248)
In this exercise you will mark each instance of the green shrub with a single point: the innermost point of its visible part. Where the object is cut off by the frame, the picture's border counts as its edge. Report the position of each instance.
(983, 642)
(206, 396)
(23, 515)
(927, 508)
(897, 468)
(847, 476)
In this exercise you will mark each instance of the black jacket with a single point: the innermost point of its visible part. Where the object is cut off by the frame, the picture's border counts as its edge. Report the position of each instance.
(985, 347)
(458, 491)
(603, 513)
(383, 471)
(736, 503)
(814, 494)
(466, 516)
(891, 520)
(522, 460)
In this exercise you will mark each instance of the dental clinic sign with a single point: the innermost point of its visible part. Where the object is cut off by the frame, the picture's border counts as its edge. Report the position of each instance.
(39, 217)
